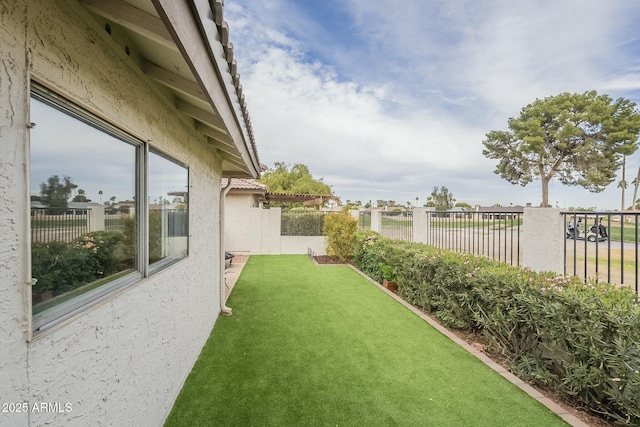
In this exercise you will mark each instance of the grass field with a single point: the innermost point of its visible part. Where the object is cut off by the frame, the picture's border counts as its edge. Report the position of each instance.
(320, 345)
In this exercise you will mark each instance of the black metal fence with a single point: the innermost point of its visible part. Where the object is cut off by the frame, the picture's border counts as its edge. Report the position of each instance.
(364, 220)
(396, 224)
(602, 246)
(495, 235)
(599, 246)
(116, 219)
(58, 224)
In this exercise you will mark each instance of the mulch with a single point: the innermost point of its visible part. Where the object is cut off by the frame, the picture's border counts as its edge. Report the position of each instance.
(326, 259)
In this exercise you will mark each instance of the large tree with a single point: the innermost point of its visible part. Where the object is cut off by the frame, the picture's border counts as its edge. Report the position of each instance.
(295, 179)
(55, 192)
(577, 138)
(441, 198)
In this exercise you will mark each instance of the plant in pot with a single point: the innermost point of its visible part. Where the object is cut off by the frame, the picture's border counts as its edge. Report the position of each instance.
(388, 277)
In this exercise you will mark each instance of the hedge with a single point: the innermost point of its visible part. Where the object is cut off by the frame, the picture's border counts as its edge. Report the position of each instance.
(581, 340)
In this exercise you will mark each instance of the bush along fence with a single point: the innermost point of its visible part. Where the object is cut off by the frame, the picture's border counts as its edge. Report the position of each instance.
(581, 340)
(302, 223)
(603, 246)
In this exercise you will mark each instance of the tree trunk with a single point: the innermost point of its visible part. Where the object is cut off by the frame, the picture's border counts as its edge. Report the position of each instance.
(623, 182)
(635, 190)
(545, 191)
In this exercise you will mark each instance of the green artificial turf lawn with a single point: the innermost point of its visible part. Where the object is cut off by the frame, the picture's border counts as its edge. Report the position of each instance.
(320, 345)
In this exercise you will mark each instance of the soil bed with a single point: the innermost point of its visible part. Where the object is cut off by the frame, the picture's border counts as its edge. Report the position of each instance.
(326, 259)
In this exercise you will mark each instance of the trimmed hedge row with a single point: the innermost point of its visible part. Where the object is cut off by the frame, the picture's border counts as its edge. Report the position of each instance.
(581, 340)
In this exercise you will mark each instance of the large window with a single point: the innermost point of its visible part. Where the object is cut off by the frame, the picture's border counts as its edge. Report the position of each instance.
(168, 220)
(98, 195)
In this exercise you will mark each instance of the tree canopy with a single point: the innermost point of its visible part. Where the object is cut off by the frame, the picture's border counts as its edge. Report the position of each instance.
(441, 198)
(55, 192)
(295, 179)
(577, 138)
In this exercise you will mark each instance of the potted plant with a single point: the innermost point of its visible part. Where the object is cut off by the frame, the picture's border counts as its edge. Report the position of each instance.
(388, 277)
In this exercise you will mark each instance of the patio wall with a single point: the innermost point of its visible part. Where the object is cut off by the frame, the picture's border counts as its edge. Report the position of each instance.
(256, 231)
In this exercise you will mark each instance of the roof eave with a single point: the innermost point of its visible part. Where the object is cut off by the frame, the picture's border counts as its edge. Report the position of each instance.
(198, 31)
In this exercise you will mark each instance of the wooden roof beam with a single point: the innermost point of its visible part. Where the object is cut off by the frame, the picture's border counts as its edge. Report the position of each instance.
(132, 18)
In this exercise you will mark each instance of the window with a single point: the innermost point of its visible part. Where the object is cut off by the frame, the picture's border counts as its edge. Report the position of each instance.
(90, 207)
(168, 214)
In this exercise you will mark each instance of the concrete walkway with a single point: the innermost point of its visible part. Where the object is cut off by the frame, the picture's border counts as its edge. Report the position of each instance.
(232, 273)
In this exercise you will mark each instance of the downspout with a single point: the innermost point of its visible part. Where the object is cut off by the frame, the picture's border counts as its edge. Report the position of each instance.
(224, 310)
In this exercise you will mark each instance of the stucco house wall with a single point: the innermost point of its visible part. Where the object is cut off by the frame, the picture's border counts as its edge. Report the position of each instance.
(123, 361)
(243, 224)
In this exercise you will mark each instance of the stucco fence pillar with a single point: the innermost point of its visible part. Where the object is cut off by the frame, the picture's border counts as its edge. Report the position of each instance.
(96, 218)
(543, 239)
(376, 221)
(422, 224)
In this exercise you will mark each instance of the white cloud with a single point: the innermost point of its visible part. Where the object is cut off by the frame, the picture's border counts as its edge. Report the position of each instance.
(404, 103)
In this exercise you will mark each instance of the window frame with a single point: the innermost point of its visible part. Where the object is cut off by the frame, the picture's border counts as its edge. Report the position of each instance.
(53, 316)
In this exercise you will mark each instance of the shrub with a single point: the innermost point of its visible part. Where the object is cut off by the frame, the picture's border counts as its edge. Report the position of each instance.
(581, 340)
(301, 223)
(339, 228)
(59, 267)
(62, 267)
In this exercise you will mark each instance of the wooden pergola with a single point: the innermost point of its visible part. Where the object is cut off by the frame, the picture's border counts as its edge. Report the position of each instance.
(305, 199)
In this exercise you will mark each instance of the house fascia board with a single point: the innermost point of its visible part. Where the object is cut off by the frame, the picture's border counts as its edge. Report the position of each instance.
(196, 36)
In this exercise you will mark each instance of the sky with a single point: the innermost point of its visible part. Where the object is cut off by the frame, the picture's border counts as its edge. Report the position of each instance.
(386, 100)
(94, 160)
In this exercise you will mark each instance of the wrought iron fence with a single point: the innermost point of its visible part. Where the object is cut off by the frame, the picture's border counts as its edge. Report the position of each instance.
(602, 246)
(495, 235)
(397, 225)
(364, 220)
(58, 224)
(116, 219)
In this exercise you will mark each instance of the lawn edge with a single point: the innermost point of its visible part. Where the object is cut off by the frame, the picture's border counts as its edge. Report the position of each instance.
(548, 402)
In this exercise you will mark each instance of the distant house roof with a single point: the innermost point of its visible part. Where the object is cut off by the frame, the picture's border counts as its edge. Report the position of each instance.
(306, 199)
(245, 185)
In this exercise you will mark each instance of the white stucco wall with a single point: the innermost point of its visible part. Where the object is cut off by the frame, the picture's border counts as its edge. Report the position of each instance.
(302, 245)
(251, 230)
(243, 224)
(123, 361)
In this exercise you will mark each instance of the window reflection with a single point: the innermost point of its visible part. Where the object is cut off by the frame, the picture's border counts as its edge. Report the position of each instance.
(82, 205)
(168, 210)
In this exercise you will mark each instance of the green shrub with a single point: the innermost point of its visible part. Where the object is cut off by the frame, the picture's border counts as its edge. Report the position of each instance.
(105, 250)
(62, 267)
(59, 267)
(301, 223)
(339, 229)
(581, 340)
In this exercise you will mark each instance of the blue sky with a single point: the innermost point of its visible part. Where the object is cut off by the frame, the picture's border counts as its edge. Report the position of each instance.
(385, 100)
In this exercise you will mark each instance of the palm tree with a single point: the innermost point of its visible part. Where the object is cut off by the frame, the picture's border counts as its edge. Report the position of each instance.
(636, 183)
(100, 193)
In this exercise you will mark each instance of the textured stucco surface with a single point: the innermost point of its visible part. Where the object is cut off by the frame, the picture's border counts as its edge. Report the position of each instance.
(543, 239)
(123, 361)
